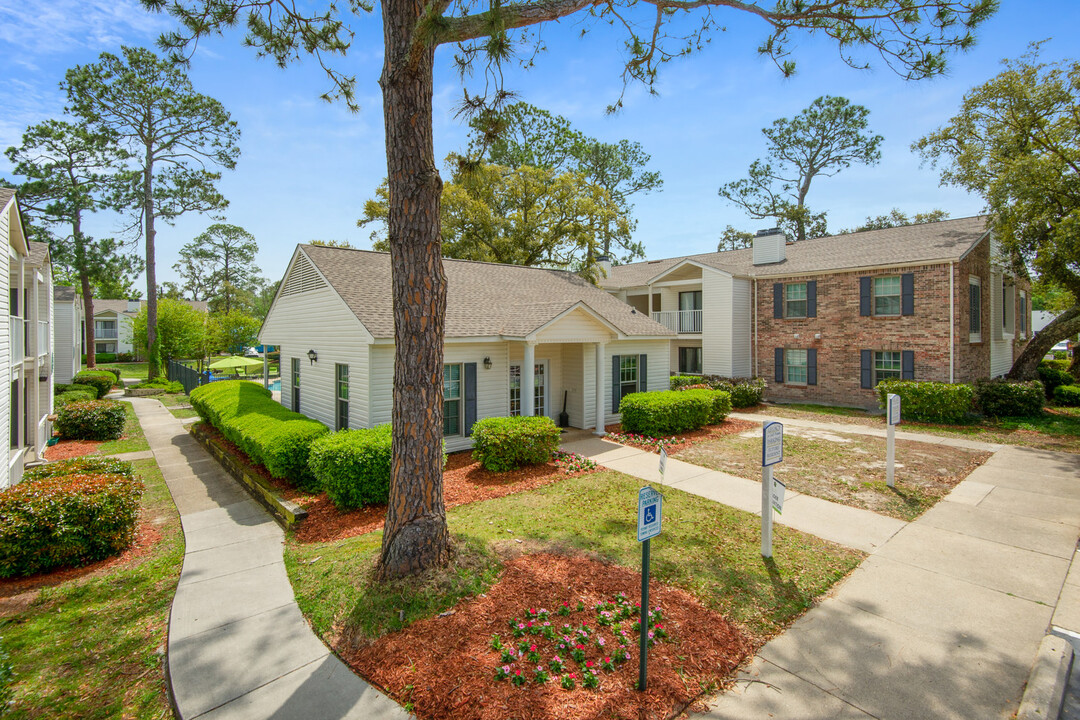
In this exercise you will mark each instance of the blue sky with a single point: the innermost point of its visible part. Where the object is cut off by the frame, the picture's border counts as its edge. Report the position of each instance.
(307, 166)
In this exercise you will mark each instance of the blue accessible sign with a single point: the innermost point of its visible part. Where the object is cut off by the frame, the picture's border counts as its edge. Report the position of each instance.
(650, 504)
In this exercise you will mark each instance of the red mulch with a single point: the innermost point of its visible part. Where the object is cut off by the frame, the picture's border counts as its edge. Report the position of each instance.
(446, 667)
(730, 426)
(16, 594)
(66, 449)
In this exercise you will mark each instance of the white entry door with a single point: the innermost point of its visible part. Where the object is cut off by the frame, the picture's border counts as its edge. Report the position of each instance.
(539, 389)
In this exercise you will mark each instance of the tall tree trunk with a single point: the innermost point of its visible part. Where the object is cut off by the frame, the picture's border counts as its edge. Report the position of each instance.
(415, 536)
(153, 370)
(1064, 325)
(89, 330)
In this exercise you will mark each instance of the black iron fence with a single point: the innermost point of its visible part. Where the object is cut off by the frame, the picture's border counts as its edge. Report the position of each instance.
(187, 376)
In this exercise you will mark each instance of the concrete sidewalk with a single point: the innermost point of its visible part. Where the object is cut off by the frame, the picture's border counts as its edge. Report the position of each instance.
(238, 645)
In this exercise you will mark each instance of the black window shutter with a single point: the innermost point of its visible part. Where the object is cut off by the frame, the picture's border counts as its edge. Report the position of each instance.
(811, 367)
(615, 383)
(811, 298)
(470, 397)
(864, 297)
(907, 294)
(907, 365)
(778, 355)
(867, 368)
(778, 300)
(643, 372)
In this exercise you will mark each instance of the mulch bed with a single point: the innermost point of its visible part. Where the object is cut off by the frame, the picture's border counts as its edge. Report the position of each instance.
(446, 668)
(16, 594)
(65, 449)
(730, 426)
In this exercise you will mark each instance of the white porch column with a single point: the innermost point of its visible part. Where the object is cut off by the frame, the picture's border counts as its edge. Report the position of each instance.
(600, 386)
(266, 368)
(528, 381)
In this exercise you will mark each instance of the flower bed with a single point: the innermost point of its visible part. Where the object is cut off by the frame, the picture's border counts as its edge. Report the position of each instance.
(680, 441)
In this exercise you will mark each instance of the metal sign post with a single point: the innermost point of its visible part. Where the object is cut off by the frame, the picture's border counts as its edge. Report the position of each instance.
(893, 405)
(650, 506)
(772, 452)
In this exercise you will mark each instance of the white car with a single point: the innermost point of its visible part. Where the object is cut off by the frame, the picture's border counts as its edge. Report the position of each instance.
(1063, 345)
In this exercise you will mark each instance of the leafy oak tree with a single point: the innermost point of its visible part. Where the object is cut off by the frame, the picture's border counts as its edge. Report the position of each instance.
(219, 265)
(170, 133)
(912, 36)
(183, 329)
(734, 239)
(898, 218)
(71, 170)
(821, 140)
(1016, 142)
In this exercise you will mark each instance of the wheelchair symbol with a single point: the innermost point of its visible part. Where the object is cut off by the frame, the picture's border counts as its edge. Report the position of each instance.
(650, 514)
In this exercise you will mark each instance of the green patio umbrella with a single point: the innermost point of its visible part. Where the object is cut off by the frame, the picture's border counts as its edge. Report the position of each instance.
(236, 362)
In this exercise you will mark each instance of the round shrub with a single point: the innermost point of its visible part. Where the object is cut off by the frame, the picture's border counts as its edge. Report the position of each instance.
(1067, 395)
(1004, 398)
(91, 420)
(658, 414)
(353, 466)
(927, 401)
(102, 381)
(1052, 376)
(65, 521)
(71, 396)
(80, 466)
(745, 392)
(505, 443)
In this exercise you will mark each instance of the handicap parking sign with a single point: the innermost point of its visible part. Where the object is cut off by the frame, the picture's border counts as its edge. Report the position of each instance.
(649, 513)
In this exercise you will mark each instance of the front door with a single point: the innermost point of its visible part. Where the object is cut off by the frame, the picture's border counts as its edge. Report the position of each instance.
(539, 389)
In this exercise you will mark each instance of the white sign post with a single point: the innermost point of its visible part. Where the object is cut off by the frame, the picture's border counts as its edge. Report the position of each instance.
(663, 462)
(649, 506)
(893, 412)
(772, 452)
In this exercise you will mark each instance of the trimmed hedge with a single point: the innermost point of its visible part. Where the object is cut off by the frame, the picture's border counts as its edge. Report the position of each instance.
(71, 396)
(505, 443)
(160, 382)
(927, 401)
(101, 380)
(269, 434)
(1067, 395)
(659, 414)
(353, 466)
(1052, 376)
(745, 392)
(66, 520)
(1002, 398)
(91, 420)
(80, 466)
(678, 382)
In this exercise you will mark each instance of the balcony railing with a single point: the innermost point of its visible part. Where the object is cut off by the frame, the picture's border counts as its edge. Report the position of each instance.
(15, 330)
(105, 334)
(43, 338)
(681, 321)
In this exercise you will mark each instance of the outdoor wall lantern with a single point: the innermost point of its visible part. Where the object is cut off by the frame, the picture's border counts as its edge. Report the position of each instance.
(312, 356)
(487, 363)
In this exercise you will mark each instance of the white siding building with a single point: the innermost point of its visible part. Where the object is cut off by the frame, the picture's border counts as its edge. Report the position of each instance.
(68, 319)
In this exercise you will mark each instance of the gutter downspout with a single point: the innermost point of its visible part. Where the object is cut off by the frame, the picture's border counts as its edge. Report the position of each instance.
(754, 319)
(952, 323)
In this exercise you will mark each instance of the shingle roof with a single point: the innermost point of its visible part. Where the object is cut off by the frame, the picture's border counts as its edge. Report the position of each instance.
(38, 252)
(121, 306)
(5, 195)
(483, 299)
(923, 243)
(63, 293)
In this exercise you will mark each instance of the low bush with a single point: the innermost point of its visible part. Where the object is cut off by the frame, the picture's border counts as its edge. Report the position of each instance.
(80, 466)
(7, 679)
(102, 357)
(927, 401)
(91, 420)
(160, 382)
(61, 388)
(1061, 354)
(505, 443)
(353, 466)
(1067, 395)
(678, 382)
(88, 393)
(269, 434)
(745, 392)
(657, 414)
(66, 520)
(101, 380)
(1051, 376)
(1004, 398)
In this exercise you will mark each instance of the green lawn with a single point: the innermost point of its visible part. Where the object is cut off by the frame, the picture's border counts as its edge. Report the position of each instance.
(88, 647)
(127, 370)
(132, 440)
(711, 550)
(172, 400)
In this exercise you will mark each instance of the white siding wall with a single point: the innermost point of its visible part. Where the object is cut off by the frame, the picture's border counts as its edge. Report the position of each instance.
(14, 473)
(1000, 347)
(64, 344)
(716, 300)
(741, 327)
(659, 370)
(319, 320)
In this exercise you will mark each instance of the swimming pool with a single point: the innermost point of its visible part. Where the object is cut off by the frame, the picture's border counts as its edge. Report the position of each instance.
(275, 385)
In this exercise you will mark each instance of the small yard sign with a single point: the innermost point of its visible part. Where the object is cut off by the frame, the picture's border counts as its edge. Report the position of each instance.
(772, 446)
(772, 452)
(649, 510)
(778, 489)
(894, 408)
(892, 401)
(663, 462)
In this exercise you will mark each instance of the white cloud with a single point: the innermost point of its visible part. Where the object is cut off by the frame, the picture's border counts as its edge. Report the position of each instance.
(58, 25)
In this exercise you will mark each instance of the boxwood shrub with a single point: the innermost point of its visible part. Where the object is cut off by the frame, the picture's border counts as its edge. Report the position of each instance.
(745, 392)
(505, 443)
(1002, 398)
(87, 393)
(1052, 376)
(268, 433)
(66, 520)
(926, 401)
(1067, 395)
(678, 382)
(658, 414)
(80, 466)
(353, 466)
(91, 420)
(101, 380)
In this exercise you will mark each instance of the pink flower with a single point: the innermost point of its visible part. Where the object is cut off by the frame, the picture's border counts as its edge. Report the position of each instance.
(607, 659)
(588, 663)
(532, 648)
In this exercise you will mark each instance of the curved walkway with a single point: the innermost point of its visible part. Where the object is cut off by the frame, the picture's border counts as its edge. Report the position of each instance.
(238, 645)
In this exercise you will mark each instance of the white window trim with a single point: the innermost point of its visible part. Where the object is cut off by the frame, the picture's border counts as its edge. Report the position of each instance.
(805, 300)
(459, 400)
(875, 369)
(977, 282)
(1008, 307)
(874, 296)
(805, 366)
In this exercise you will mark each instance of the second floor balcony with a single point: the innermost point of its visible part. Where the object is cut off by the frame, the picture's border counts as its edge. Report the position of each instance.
(105, 333)
(680, 321)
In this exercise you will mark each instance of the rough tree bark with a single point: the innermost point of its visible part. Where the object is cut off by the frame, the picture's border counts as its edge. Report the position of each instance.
(153, 370)
(1066, 324)
(415, 535)
(87, 291)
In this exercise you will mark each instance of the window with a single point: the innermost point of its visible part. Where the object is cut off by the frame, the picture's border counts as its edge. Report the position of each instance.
(690, 311)
(887, 295)
(628, 375)
(795, 367)
(539, 382)
(1023, 314)
(795, 300)
(975, 307)
(451, 400)
(104, 328)
(690, 360)
(15, 414)
(296, 384)
(886, 366)
(342, 374)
